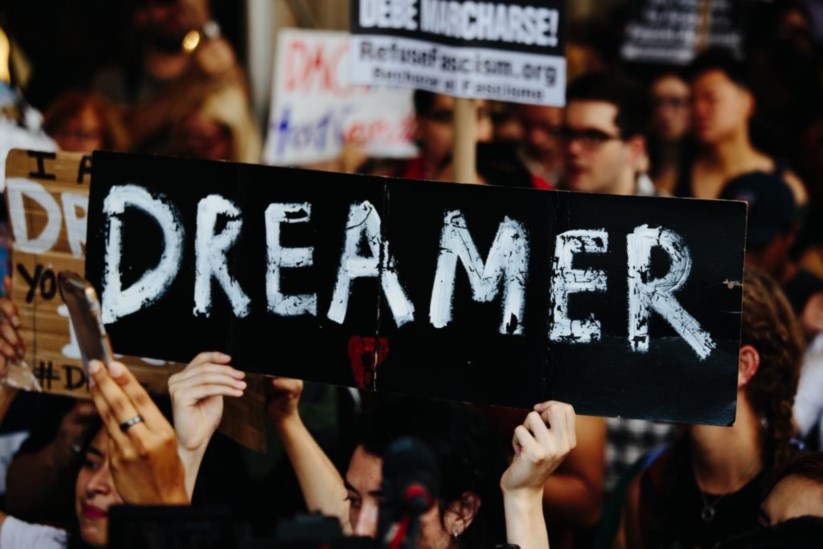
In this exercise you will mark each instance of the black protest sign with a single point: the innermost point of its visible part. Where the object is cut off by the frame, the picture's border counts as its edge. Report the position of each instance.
(619, 305)
(672, 32)
(508, 51)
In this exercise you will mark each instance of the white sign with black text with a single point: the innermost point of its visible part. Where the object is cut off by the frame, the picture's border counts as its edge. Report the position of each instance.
(510, 51)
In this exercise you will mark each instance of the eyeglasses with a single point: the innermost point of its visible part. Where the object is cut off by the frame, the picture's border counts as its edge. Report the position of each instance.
(588, 138)
(671, 102)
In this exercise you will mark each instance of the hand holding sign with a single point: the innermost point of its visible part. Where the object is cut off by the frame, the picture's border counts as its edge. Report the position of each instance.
(540, 444)
(285, 396)
(142, 444)
(197, 404)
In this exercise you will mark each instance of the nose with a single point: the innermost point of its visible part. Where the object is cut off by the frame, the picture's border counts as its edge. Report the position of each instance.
(100, 482)
(366, 524)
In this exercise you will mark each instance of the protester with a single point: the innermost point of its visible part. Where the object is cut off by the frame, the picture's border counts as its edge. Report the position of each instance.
(467, 511)
(669, 138)
(603, 136)
(83, 122)
(706, 487)
(722, 107)
(540, 150)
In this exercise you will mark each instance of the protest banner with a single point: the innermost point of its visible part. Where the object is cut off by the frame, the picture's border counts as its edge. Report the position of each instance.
(619, 305)
(672, 32)
(46, 199)
(316, 110)
(507, 51)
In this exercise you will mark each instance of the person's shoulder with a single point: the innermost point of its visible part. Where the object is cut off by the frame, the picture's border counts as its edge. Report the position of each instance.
(798, 188)
(15, 533)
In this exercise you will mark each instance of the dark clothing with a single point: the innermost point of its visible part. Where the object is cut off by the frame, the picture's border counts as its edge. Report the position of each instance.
(683, 187)
(672, 506)
(797, 533)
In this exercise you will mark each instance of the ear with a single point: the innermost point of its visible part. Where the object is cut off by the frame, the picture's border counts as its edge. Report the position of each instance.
(460, 513)
(747, 365)
(750, 103)
(638, 156)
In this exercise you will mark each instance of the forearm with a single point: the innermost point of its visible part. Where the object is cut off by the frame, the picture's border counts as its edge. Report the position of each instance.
(525, 524)
(192, 459)
(320, 482)
(571, 499)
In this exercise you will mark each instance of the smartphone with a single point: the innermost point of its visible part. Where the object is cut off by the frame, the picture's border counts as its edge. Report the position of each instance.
(84, 310)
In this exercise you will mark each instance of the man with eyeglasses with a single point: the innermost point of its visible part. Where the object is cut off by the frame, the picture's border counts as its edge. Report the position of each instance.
(602, 136)
(604, 151)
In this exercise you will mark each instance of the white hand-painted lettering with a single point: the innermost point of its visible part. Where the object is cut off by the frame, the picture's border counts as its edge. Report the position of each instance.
(568, 280)
(646, 294)
(153, 284)
(280, 257)
(507, 264)
(364, 225)
(210, 255)
(16, 189)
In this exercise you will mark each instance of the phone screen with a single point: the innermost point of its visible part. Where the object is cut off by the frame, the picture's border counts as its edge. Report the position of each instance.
(84, 311)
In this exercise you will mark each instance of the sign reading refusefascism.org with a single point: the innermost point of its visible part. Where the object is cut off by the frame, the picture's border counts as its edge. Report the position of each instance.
(508, 51)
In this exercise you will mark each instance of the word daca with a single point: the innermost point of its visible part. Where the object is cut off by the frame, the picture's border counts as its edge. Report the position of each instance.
(482, 21)
(366, 253)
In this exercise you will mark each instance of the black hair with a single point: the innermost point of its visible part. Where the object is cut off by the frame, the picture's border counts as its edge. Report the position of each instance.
(630, 98)
(721, 59)
(423, 101)
(470, 455)
(95, 426)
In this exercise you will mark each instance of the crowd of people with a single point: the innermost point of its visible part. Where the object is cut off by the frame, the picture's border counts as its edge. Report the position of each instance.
(724, 126)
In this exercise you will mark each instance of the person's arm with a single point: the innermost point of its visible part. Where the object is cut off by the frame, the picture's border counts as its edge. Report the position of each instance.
(540, 444)
(142, 445)
(197, 406)
(628, 534)
(320, 481)
(574, 494)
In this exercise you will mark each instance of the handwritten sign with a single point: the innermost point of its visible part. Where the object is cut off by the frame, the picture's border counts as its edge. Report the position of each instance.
(47, 201)
(619, 305)
(508, 51)
(316, 110)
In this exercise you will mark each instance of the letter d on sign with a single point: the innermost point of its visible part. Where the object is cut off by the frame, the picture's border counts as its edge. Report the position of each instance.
(119, 302)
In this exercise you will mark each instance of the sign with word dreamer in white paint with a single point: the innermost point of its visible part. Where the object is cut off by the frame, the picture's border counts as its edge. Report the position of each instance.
(316, 109)
(618, 305)
(507, 51)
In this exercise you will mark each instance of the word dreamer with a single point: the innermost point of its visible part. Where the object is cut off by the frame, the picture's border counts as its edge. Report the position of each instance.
(504, 296)
(502, 275)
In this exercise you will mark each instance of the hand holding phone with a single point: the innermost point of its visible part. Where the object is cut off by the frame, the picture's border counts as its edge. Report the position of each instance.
(84, 310)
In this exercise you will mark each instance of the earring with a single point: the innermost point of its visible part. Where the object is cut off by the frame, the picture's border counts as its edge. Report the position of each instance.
(455, 534)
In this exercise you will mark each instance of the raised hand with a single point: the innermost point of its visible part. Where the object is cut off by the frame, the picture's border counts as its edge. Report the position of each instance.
(197, 405)
(284, 397)
(197, 397)
(142, 443)
(540, 444)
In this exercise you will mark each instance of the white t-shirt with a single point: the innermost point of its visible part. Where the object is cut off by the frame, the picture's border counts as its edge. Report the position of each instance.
(808, 404)
(16, 534)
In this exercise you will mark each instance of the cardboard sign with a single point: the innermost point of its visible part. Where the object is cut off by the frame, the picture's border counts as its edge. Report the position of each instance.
(508, 51)
(316, 110)
(46, 198)
(673, 31)
(619, 305)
